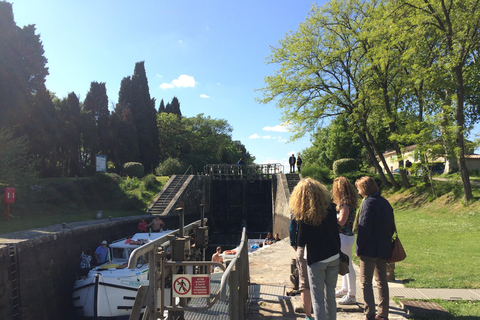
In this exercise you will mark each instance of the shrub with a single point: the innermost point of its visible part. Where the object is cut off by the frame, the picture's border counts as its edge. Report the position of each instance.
(150, 181)
(343, 166)
(317, 172)
(133, 169)
(169, 167)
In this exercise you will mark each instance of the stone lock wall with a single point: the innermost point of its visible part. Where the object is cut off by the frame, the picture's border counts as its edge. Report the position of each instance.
(281, 213)
(49, 259)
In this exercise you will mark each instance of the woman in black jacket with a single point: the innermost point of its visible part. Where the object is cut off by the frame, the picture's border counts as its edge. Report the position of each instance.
(374, 245)
(312, 207)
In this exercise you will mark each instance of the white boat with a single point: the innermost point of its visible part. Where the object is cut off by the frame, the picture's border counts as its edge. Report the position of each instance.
(110, 289)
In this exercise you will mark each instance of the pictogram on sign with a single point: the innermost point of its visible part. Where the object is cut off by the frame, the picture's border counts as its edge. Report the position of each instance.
(188, 286)
(181, 286)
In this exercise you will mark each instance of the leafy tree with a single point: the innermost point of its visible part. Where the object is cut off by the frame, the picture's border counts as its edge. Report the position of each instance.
(457, 23)
(323, 73)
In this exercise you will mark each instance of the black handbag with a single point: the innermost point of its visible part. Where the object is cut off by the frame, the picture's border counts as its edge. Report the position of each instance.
(344, 262)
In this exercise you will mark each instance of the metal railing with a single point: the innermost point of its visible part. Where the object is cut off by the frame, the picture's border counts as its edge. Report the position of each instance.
(237, 276)
(174, 187)
(234, 281)
(253, 171)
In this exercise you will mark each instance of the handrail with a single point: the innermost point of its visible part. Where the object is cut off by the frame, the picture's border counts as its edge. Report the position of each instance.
(226, 274)
(140, 251)
(178, 182)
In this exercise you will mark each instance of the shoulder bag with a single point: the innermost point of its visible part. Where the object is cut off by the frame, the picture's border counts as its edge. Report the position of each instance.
(398, 253)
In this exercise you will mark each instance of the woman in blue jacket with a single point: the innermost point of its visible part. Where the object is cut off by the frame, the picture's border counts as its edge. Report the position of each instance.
(312, 207)
(374, 245)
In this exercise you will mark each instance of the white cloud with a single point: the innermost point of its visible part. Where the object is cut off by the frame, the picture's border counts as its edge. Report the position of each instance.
(204, 96)
(167, 86)
(254, 136)
(182, 81)
(160, 76)
(278, 128)
(266, 137)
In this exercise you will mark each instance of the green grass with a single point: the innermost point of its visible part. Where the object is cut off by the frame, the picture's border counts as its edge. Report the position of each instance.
(440, 237)
(53, 201)
(458, 310)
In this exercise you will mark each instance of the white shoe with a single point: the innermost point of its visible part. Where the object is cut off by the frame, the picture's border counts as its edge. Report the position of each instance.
(347, 300)
(340, 293)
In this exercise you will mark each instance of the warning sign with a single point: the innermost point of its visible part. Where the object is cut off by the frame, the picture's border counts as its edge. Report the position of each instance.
(190, 286)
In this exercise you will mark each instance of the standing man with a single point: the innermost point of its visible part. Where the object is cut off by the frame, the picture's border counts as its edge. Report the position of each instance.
(101, 254)
(292, 162)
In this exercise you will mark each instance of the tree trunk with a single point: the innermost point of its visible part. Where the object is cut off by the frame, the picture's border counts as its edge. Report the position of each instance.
(460, 117)
(384, 162)
(371, 155)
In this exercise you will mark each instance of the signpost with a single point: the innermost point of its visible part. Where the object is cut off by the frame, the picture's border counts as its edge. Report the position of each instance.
(9, 197)
(191, 286)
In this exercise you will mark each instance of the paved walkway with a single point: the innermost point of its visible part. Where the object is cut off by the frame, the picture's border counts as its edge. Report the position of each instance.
(270, 281)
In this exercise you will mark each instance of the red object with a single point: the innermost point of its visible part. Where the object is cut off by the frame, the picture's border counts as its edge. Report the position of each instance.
(9, 197)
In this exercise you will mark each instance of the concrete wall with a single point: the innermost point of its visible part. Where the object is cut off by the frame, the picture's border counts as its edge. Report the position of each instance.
(49, 258)
(281, 213)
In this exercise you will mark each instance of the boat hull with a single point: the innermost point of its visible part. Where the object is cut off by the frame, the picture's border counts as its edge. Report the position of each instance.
(105, 296)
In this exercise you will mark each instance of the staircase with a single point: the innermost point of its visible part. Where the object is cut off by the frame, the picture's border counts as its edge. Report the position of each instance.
(12, 250)
(166, 199)
(292, 180)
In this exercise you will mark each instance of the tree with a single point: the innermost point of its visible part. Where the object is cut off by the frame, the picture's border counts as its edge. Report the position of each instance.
(22, 68)
(457, 22)
(144, 118)
(323, 73)
(96, 107)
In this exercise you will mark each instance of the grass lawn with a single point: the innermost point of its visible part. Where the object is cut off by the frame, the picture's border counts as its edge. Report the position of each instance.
(59, 200)
(441, 241)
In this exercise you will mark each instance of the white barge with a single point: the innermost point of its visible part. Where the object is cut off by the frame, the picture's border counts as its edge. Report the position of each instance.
(110, 289)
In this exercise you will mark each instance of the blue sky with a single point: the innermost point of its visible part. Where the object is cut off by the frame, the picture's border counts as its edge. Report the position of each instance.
(209, 54)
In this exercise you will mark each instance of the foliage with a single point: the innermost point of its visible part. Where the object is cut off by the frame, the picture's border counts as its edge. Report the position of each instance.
(150, 181)
(169, 167)
(14, 162)
(133, 169)
(317, 172)
(335, 141)
(343, 166)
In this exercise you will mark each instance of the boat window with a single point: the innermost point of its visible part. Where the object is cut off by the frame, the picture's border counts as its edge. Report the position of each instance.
(120, 253)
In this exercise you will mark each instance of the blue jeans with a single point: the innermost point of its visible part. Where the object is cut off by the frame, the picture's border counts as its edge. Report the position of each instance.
(323, 280)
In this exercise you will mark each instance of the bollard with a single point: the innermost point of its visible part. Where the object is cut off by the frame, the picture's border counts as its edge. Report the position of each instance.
(390, 271)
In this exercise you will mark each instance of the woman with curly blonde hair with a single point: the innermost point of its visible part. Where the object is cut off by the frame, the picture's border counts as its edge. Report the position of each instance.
(312, 208)
(346, 198)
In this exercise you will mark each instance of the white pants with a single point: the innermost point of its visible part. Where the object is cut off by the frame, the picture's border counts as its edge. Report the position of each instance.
(349, 280)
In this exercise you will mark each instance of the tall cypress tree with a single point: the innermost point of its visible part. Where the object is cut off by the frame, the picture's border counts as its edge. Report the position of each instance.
(145, 118)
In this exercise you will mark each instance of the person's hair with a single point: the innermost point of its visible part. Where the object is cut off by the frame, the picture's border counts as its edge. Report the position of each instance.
(367, 186)
(344, 193)
(219, 248)
(309, 201)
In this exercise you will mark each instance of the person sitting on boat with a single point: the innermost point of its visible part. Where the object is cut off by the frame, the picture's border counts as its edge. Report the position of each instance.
(85, 259)
(101, 254)
(216, 257)
(276, 238)
(157, 224)
(269, 239)
(142, 225)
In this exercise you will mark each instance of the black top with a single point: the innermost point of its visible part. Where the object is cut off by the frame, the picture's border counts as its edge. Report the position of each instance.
(322, 241)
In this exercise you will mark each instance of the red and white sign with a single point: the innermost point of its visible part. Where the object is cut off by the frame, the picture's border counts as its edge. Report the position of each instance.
(191, 286)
